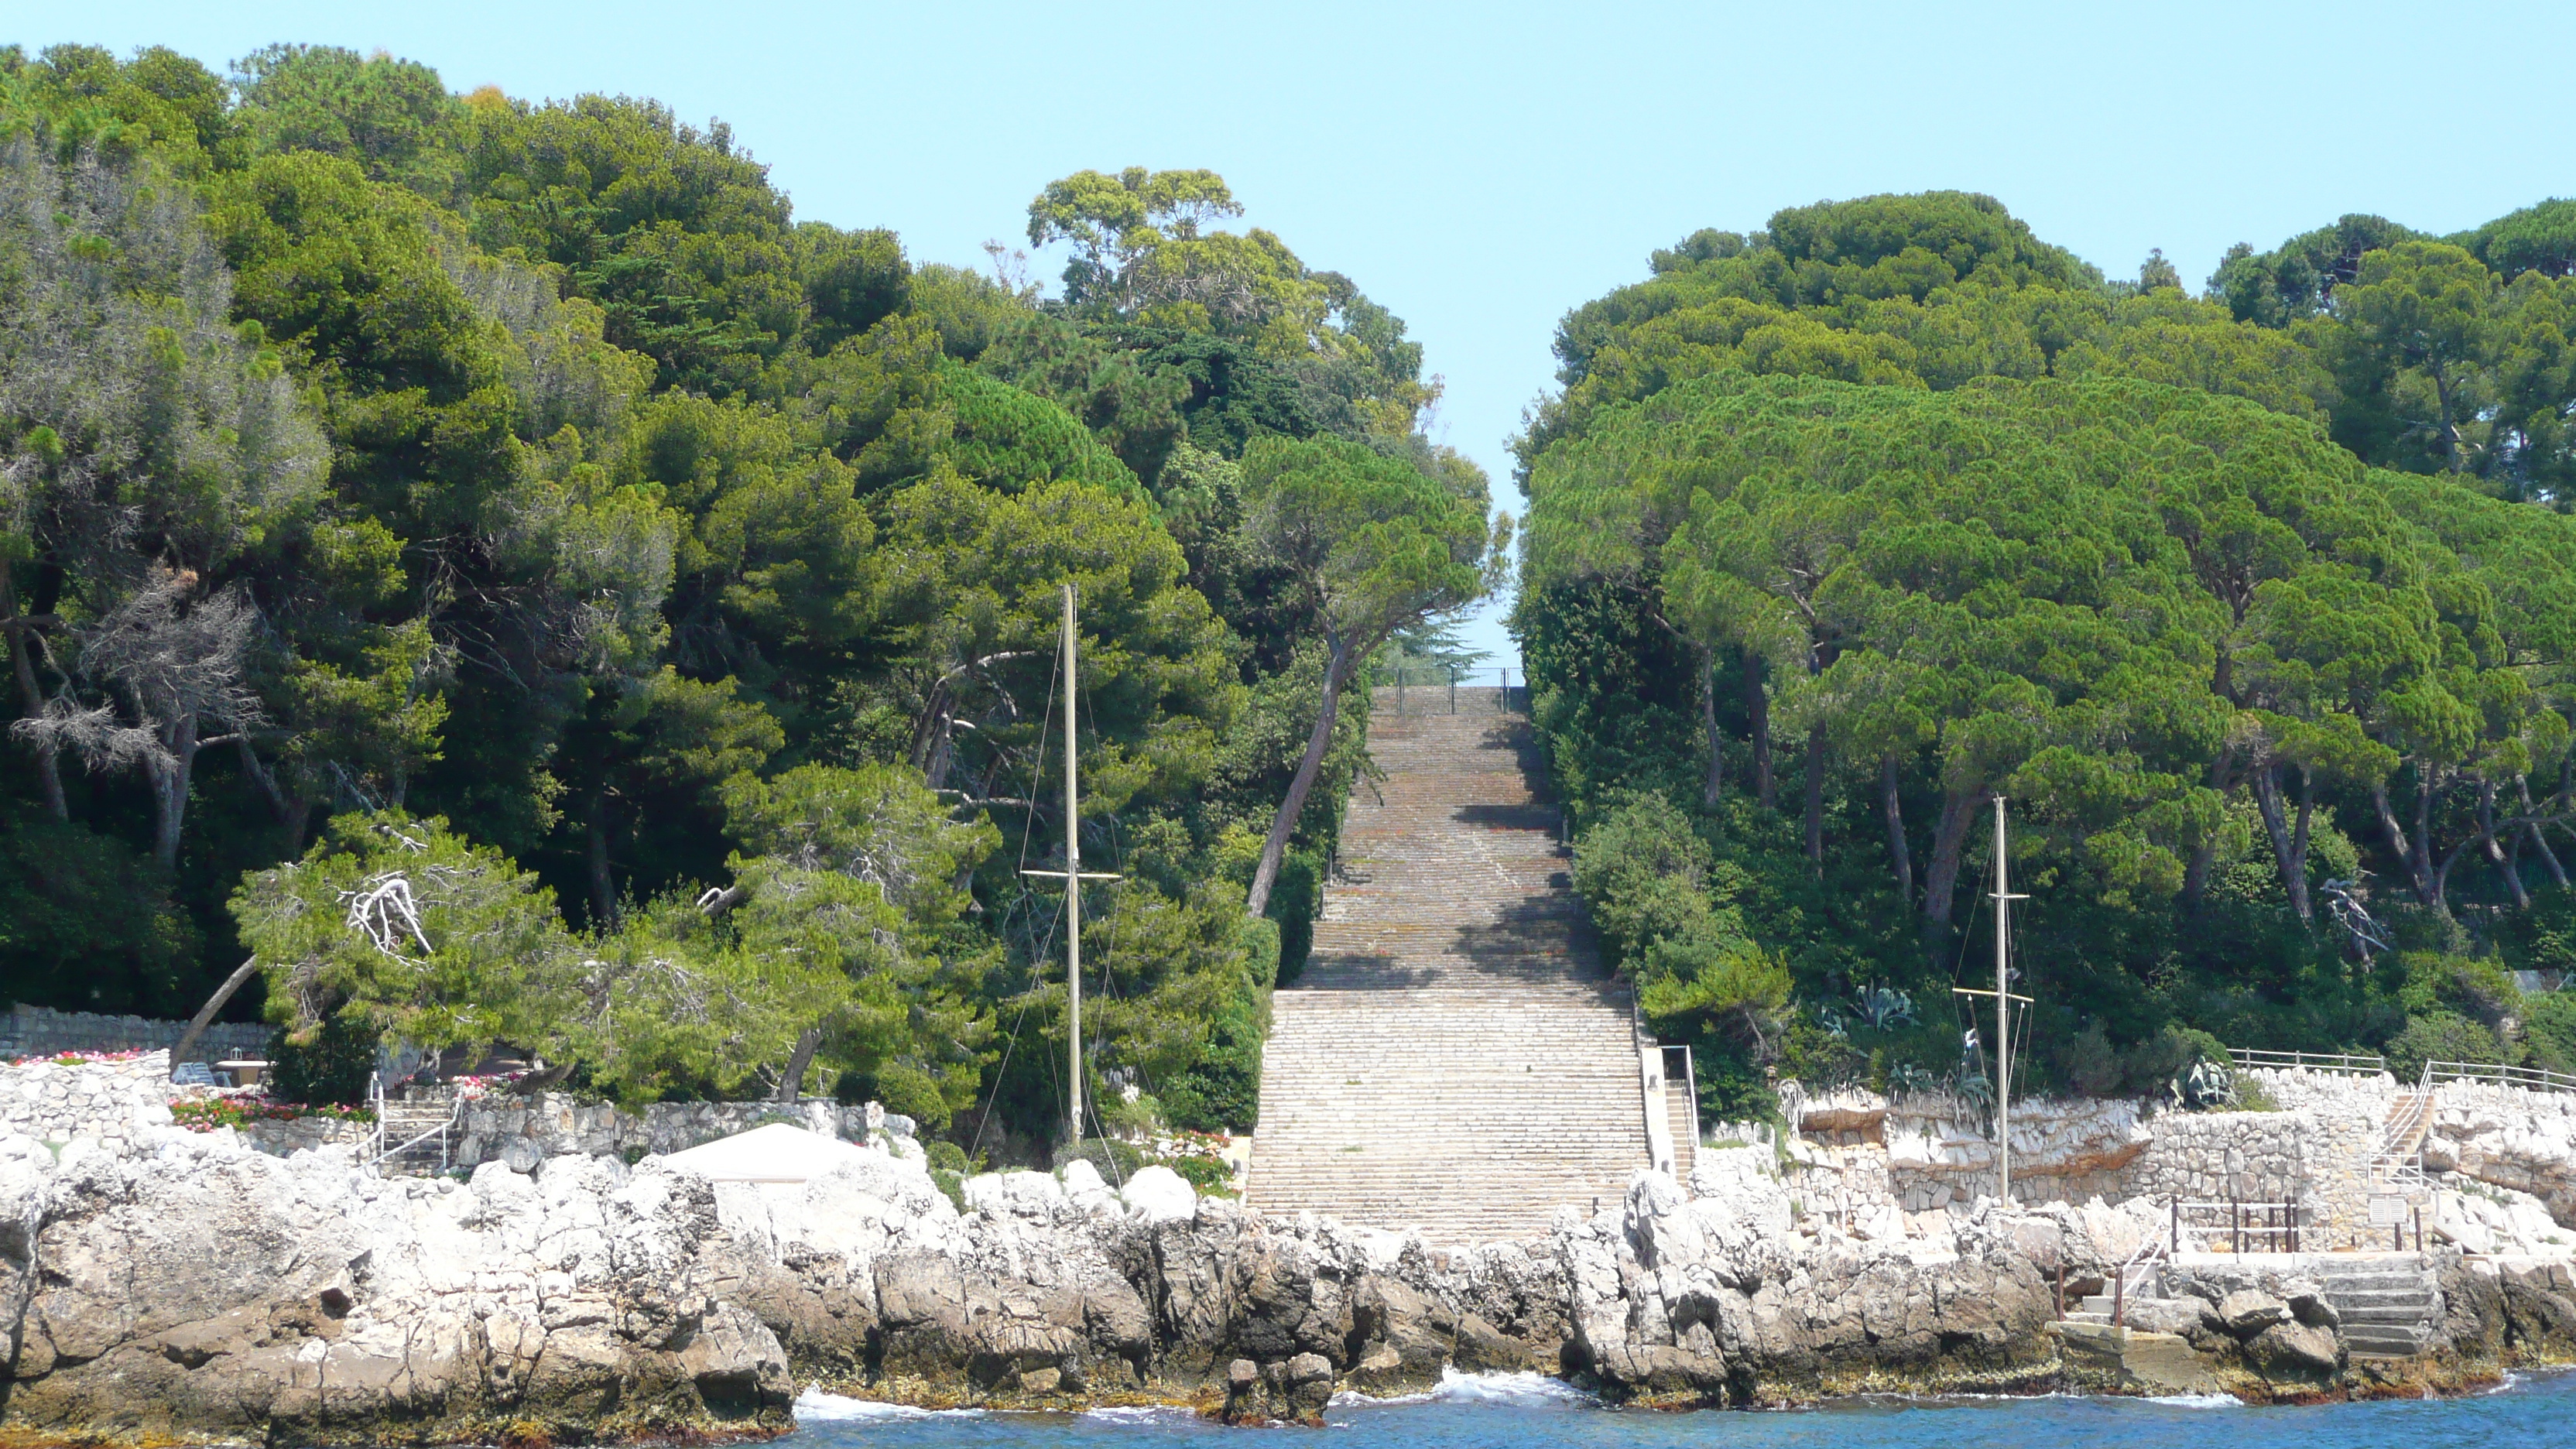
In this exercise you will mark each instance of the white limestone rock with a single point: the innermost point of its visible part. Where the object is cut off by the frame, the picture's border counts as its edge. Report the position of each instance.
(1160, 1195)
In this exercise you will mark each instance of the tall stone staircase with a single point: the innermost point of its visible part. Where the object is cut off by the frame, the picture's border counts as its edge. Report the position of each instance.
(1454, 1057)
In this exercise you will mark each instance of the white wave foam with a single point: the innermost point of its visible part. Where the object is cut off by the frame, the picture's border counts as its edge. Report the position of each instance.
(1139, 1413)
(822, 1408)
(1527, 1390)
(2198, 1401)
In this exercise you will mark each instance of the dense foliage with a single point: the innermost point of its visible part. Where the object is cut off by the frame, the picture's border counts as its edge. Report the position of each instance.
(493, 564)
(2256, 608)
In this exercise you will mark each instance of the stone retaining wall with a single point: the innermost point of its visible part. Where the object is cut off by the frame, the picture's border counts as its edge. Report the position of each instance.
(106, 1102)
(1860, 1158)
(34, 1031)
(298, 1134)
(523, 1131)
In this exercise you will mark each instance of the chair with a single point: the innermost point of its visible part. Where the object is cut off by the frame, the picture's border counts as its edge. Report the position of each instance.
(192, 1074)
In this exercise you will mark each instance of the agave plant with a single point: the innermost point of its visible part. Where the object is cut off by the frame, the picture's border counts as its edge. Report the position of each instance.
(1883, 1007)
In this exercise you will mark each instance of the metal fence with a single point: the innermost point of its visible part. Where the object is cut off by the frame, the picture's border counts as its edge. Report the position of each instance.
(1450, 689)
(2532, 1078)
(2349, 1063)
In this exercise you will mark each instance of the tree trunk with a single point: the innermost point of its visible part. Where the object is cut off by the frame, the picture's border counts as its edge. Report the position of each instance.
(2289, 844)
(1273, 849)
(31, 696)
(2509, 862)
(2419, 877)
(603, 887)
(1757, 705)
(1710, 792)
(2222, 778)
(791, 1082)
(1949, 843)
(170, 779)
(1816, 797)
(2548, 857)
(205, 1014)
(1897, 854)
(292, 812)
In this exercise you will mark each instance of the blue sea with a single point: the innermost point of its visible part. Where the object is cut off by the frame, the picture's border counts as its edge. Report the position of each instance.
(1524, 1411)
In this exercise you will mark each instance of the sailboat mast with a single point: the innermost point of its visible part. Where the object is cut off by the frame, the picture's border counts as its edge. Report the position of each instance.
(1072, 889)
(2003, 1013)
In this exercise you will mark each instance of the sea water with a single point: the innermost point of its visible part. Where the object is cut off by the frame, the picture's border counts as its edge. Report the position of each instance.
(1526, 1411)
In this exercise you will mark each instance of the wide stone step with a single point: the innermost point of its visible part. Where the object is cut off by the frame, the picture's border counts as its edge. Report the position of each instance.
(2378, 1297)
(2424, 1312)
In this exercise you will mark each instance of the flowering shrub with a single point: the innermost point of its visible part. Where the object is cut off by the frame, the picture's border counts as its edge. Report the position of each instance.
(205, 1114)
(1199, 1157)
(472, 1087)
(78, 1059)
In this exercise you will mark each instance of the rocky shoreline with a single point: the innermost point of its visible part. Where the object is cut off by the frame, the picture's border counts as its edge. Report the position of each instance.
(188, 1287)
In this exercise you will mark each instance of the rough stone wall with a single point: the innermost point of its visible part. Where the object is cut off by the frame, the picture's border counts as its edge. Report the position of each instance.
(106, 1102)
(31, 1031)
(1860, 1156)
(2508, 1137)
(523, 1131)
(299, 1134)
(2303, 1090)
(2320, 1161)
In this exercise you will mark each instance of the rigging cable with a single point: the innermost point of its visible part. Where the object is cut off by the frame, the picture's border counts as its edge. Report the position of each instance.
(1037, 776)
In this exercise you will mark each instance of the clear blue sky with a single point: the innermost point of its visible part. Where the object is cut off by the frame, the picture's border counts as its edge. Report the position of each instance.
(1481, 168)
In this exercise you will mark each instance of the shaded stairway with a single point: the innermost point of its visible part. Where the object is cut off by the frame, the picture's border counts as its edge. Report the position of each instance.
(1454, 1058)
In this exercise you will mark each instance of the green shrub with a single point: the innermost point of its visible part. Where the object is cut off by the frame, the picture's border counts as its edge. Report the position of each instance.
(914, 1093)
(1116, 1161)
(2088, 1063)
(335, 1066)
(2472, 986)
(2253, 1096)
(2150, 1066)
(2442, 1036)
(947, 1156)
(951, 1183)
(1142, 1115)
(1206, 1174)
(2549, 1024)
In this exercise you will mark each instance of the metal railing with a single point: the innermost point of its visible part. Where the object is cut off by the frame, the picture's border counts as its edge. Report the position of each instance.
(1440, 688)
(1688, 1078)
(2356, 1064)
(381, 1153)
(2398, 1162)
(2238, 1225)
(2483, 1073)
(2144, 1260)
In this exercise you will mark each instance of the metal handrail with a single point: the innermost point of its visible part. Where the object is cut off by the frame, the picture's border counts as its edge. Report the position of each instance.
(2401, 1141)
(2276, 1223)
(2484, 1073)
(1445, 680)
(1690, 1088)
(2350, 1063)
(2149, 1253)
(455, 1117)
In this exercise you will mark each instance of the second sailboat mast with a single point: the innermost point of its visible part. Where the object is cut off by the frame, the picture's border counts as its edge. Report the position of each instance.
(1072, 888)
